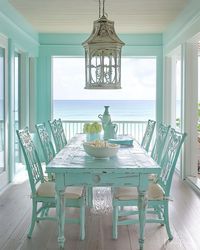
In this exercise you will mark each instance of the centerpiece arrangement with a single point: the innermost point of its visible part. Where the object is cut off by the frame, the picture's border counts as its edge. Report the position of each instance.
(100, 149)
(92, 131)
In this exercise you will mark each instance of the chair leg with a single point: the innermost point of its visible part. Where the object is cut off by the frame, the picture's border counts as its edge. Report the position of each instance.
(43, 212)
(166, 219)
(158, 211)
(82, 222)
(46, 211)
(34, 217)
(114, 222)
(90, 196)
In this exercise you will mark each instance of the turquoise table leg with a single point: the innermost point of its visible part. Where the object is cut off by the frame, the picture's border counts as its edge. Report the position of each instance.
(142, 203)
(82, 222)
(141, 207)
(114, 221)
(60, 210)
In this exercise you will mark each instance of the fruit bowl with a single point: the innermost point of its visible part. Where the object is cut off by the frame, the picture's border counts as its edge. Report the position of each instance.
(100, 149)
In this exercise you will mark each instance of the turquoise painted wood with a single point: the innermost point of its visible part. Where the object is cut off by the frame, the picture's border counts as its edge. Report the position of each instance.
(15, 27)
(42, 192)
(45, 141)
(24, 39)
(61, 132)
(161, 137)
(146, 140)
(72, 166)
(157, 195)
(56, 135)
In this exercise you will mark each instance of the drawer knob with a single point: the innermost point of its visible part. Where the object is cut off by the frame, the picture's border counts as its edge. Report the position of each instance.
(96, 178)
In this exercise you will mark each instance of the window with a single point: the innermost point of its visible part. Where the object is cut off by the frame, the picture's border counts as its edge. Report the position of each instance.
(2, 110)
(16, 111)
(135, 101)
(178, 94)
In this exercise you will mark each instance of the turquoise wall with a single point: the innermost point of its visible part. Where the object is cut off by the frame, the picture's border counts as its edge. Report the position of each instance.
(22, 38)
(149, 45)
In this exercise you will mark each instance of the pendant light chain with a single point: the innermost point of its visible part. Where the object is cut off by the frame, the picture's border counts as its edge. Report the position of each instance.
(103, 7)
(99, 8)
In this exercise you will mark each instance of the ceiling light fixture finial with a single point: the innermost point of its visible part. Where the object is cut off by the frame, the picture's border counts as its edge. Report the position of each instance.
(103, 54)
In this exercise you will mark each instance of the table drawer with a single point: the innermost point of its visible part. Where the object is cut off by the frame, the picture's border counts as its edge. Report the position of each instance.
(101, 179)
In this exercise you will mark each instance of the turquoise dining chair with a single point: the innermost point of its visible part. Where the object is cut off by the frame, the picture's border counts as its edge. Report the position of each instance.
(162, 131)
(56, 135)
(146, 140)
(43, 192)
(45, 141)
(61, 132)
(47, 147)
(158, 194)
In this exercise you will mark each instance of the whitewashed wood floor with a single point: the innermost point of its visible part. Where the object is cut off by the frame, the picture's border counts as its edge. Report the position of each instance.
(15, 215)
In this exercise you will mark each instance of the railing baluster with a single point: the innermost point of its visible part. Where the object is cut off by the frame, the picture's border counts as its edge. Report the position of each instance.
(133, 128)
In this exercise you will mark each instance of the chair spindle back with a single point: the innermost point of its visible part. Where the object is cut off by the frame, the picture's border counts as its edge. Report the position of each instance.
(32, 161)
(169, 159)
(61, 132)
(148, 135)
(161, 137)
(47, 146)
(55, 132)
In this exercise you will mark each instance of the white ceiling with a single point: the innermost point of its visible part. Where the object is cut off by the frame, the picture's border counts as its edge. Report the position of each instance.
(74, 16)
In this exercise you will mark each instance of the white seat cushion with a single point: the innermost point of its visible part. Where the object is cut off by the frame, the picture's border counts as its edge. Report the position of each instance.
(47, 189)
(74, 192)
(152, 177)
(155, 192)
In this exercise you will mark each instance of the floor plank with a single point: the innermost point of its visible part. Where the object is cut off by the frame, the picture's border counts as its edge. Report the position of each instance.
(15, 216)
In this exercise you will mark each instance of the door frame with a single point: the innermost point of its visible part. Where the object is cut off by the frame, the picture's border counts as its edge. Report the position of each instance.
(4, 177)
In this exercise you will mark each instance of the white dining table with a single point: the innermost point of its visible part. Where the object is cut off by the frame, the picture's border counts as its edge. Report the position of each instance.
(72, 166)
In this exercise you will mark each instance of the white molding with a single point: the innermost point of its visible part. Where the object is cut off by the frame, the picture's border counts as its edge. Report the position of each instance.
(194, 183)
(24, 90)
(167, 90)
(190, 81)
(4, 178)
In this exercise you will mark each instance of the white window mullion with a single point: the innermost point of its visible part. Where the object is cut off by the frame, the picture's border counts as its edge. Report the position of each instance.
(4, 179)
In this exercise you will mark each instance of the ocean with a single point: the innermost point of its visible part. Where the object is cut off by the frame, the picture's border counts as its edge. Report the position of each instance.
(128, 110)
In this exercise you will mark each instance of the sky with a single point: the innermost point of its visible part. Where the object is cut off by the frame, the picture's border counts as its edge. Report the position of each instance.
(138, 80)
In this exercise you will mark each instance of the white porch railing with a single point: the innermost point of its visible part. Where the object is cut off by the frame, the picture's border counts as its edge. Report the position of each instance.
(134, 128)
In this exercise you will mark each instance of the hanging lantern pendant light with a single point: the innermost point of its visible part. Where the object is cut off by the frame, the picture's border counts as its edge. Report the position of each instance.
(103, 55)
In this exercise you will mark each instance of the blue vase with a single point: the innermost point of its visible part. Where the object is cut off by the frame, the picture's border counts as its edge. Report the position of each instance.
(92, 136)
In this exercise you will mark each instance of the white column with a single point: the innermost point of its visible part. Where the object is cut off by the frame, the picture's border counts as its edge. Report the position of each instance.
(170, 91)
(167, 90)
(190, 102)
(24, 91)
(173, 90)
